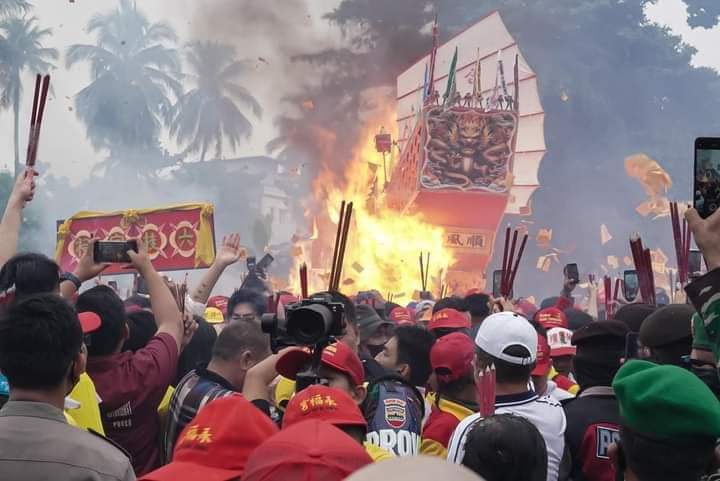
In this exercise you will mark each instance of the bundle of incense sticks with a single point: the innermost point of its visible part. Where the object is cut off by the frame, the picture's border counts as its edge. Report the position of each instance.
(38, 110)
(611, 296)
(643, 266)
(682, 238)
(304, 281)
(179, 292)
(424, 271)
(509, 270)
(340, 245)
(485, 391)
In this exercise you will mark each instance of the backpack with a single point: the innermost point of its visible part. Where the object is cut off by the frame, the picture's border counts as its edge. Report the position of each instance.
(394, 410)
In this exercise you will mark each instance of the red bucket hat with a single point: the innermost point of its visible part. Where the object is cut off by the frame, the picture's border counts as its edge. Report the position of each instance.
(326, 404)
(307, 451)
(216, 445)
(551, 317)
(219, 302)
(402, 315)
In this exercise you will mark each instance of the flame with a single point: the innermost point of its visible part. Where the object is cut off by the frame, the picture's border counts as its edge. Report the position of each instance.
(383, 244)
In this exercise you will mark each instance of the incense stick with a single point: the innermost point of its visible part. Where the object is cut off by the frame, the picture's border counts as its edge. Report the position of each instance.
(517, 264)
(304, 281)
(337, 246)
(343, 245)
(36, 117)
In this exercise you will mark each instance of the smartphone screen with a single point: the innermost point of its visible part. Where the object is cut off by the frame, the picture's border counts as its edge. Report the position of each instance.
(265, 262)
(695, 263)
(707, 175)
(113, 251)
(631, 285)
(497, 279)
(572, 273)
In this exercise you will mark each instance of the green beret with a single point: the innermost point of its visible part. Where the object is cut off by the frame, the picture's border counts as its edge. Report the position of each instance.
(667, 325)
(665, 401)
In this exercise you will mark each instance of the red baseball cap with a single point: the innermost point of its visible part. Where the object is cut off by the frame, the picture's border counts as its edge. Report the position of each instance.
(219, 302)
(560, 340)
(543, 361)
(89, 321)
(453, 356)
(449, 318)
(326, 404)
(307, 451)
(336, 356)
(551, 317)
(217, 443)
(402, 315)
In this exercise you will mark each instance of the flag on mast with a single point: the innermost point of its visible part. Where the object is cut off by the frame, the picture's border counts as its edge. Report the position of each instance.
(477, 83)
(451, 82)
(433, 57)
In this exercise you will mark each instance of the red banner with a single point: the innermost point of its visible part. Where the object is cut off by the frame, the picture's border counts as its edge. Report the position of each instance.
(180, 237)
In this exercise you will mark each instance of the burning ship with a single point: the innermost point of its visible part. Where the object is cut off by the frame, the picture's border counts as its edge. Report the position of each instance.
(471, 141)
(452, 167)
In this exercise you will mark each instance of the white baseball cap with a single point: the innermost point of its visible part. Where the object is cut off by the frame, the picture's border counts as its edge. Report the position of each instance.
(500, 331)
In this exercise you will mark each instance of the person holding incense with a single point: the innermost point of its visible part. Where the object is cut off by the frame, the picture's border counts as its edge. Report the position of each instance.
(509, 342)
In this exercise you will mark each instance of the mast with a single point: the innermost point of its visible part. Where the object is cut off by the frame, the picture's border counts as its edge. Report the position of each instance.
(433, 57)
(517, 83)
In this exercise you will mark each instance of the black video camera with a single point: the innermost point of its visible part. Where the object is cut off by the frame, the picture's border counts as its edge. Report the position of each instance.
(310, 322)
(315, 322)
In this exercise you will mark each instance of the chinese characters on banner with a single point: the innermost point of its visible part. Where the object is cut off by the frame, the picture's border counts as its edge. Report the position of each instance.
(177, 237)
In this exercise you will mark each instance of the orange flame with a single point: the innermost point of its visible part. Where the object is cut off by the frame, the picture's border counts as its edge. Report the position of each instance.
(383, 244)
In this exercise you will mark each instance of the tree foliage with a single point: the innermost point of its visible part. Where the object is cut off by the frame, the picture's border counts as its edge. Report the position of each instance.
(135, 71)
(21, 51)
(208, 114)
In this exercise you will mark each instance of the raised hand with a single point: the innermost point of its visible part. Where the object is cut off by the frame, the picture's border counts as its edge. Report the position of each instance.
(141, 260)
(87, 268)
(707, 235)
(230, 251)
(24, 188)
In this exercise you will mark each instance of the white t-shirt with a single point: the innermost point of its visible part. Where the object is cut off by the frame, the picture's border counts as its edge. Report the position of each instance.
(544, 412)
(557, 393)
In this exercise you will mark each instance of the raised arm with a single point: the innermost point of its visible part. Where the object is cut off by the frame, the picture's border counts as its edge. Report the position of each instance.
(164, 308)
(230, 252)
(22, 193)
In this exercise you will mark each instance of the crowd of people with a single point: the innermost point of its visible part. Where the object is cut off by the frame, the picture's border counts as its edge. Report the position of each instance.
(97, 387)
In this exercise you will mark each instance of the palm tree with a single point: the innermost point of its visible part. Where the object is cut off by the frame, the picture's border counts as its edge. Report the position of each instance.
(21, 50)
(134, 71)
(209, 113)
(14, 7)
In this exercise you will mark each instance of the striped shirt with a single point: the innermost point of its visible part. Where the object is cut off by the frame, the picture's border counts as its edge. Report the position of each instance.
(192, 393)
(544, 412)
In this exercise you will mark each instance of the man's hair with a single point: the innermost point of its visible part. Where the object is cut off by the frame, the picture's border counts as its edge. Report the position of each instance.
(30, 273)
(507, 372)
(478, 305)
(239, 337)
(505, 447)
(142, 327)
(414, 345)
(40, 336)
(666, 460)
(454, 302)
(247, 296)
(139, 301)
(104, 302)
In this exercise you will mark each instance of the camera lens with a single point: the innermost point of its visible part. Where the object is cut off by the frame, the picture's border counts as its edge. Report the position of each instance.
(310, 324)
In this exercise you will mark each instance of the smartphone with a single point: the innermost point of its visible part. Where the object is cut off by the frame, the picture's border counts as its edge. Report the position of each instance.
(142, 287)
(265, 262)
(571, 273)
(114, 285)
(631, 285)
(497, 280)
(694, 263)
(632, 346)
(706, 185)
(251, 263)
(114, 251)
